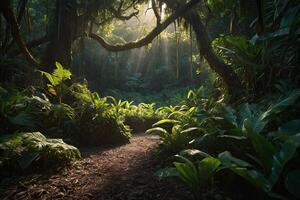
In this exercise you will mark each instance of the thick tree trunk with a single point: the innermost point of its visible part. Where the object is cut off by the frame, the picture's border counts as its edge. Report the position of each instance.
(226, 73)
(59, 48)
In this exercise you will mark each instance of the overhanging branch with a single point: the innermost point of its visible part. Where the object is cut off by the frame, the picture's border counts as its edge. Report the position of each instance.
(151, 36)
(5, 7)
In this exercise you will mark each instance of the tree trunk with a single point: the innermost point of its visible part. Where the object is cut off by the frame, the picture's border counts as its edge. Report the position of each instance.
(59, 48)
(226, 73)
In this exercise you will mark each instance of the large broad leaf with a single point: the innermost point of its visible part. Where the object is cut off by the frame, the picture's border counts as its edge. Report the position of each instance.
(245, 170)
(191, 130)
(52, 79)
(252, 114)
(207, 167)
(289, 17)
(188, 173)
(223, 123)
(166, 121)
(292, 183)
(286, 153)
(229, 161)
(281, 104)
(254, 177)
(262, 146)
(193, 154)
(288, 129)
(157, 131)
(275, 34)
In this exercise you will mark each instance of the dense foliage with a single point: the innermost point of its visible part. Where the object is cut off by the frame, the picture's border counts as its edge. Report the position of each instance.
(216, 80)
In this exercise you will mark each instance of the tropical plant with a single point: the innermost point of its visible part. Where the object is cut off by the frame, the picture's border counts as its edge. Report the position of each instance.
(97, 121)
(13, 110)
(56, 80)
(176, 140)
(197, 175)
(271, 161)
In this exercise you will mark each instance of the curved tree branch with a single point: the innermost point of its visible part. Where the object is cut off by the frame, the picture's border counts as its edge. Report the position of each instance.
(118, 12)
(32, 44)
(11, 19)
(151, 36)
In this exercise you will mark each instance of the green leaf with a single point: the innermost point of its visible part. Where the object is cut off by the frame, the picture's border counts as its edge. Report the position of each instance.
(223, 123)
(289, 17)
(58, 76)
(191, 130)
(292, 183)
(156, 131)
(281, 104)
(288, 129)
(193, 153)
(275, 34)
(207, 168)
(52, 79)
(245, 170)
(188, 173)
(228, 160)
(61, 73)
(166, 121)
(286, 153)
(262, 146)
(252, 114)
(254, 177)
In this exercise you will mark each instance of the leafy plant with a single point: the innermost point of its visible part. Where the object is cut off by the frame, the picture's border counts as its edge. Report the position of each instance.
(197, 175)
(12, 112)
(24, 151)
(97, 121)
(56, 79)
(175, 141)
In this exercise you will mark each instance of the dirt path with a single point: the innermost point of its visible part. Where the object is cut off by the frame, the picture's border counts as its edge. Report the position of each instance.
(125, 172)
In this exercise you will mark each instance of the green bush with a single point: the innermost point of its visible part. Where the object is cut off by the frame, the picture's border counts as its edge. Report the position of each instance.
(141, 117)
(93, 129)
(197, 175)
(97, 121)
(28, 151)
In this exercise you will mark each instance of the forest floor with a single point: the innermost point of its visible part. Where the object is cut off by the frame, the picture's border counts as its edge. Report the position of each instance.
(123, 172)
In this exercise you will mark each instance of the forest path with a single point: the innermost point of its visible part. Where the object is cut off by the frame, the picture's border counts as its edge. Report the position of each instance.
(123, 172)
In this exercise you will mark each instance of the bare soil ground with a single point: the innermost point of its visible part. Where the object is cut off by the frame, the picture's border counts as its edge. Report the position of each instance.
(124, 173)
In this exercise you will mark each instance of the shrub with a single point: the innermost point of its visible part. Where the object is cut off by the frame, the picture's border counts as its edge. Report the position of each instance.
(96, 129)
(25, 151)
(141, 117)
(97, 122)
